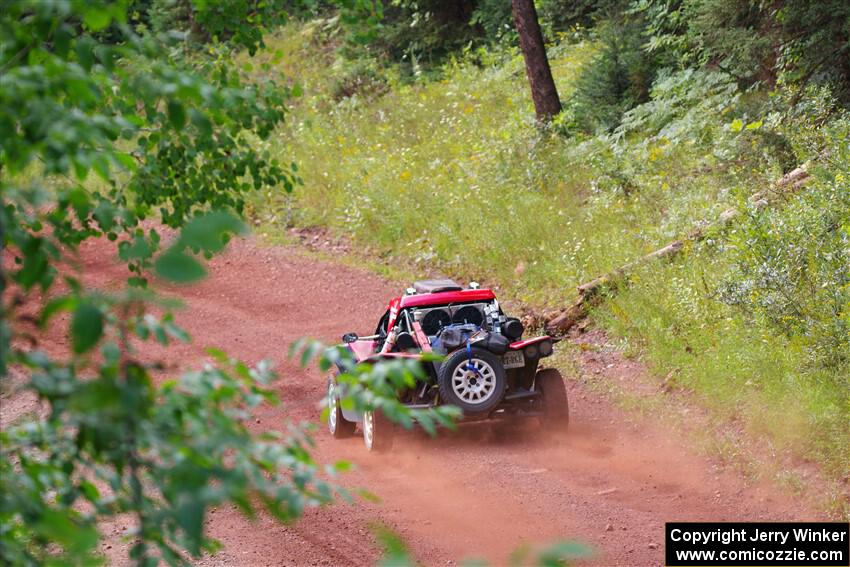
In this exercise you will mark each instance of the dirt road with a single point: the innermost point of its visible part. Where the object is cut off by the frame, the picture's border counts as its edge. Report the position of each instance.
(481, 492)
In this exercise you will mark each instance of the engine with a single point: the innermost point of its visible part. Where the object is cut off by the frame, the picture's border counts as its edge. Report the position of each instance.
(448, 328)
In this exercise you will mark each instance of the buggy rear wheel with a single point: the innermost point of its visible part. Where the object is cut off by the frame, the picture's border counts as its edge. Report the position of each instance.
(378, 431)
(556, 407)
(339, 427)
(472, 380)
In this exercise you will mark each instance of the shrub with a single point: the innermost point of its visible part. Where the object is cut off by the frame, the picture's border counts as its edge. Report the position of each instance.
(684, 105)
(495, 18)
(619, 77)
(788, 42)
(424, 32)
(362, 78)
(562, 15)
(792, 269)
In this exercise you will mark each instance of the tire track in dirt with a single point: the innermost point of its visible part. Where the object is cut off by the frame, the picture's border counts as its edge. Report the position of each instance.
(479, 492)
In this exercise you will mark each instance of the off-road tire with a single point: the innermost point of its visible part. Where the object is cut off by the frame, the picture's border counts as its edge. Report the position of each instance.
(450, 380)
(339, 427)
(380, 439)
(555, 405)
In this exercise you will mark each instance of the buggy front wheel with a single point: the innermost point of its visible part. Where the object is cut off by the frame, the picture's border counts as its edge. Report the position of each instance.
(339, 427)
(378, 431)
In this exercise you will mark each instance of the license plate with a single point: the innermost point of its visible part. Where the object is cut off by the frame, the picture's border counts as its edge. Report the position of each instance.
(513, 359)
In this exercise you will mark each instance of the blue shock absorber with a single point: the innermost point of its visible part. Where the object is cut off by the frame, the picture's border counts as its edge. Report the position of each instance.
(469, 365)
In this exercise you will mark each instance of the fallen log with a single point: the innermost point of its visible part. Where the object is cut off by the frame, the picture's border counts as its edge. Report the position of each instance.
(588, 293)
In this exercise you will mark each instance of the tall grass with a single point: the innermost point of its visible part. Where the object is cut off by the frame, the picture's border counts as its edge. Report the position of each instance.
(453, 175)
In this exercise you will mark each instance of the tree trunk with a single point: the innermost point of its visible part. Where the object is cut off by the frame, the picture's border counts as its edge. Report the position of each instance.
(543, 92)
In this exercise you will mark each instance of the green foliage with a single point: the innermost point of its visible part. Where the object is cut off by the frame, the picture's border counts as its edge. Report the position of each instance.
(789, 42)
(562, 15)
(419, 35)
(166, 455)
(369, 387)
(454, 146)
(395, 551)
(86, 327)
(167, 15)
(816, 44)
(684, 106)
(148, 130)
(732, 36)
(740, 371)
(169, 136)
(495, 18)
(645, 42)
(362, 78)
(242, 22)
(792, 270)
(424, 31)
(619, 78)
(561, 554)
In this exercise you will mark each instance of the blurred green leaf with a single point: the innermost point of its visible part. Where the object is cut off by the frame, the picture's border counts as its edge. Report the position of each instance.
(86, 327)
(176, 114)
(563, 553)
(96, 18)
(179, 267)
(394, 551)
(190, 518)
(208, 231)
(57, 305)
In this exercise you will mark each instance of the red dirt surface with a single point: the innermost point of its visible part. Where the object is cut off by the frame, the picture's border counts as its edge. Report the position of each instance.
(480, 492)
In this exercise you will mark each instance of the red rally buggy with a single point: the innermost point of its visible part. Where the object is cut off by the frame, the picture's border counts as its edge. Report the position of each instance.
(488, 370)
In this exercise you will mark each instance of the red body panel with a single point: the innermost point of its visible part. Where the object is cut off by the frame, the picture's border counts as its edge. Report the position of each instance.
(362, 349)
(445, 297)
(521, 344)
(394, 309)
(441, 298)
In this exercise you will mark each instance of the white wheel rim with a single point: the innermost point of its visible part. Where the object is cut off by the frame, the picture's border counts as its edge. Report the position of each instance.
(474, 385)
(368, 429)
(332, 408)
